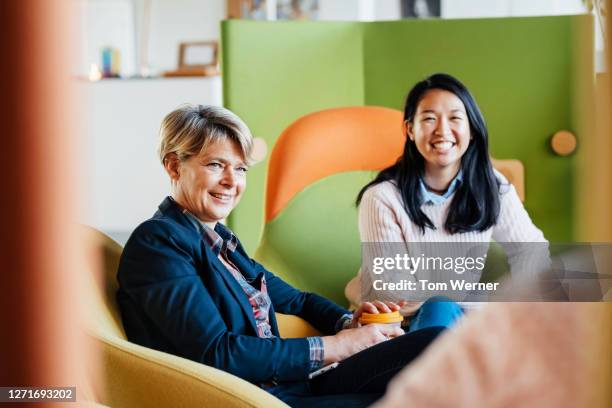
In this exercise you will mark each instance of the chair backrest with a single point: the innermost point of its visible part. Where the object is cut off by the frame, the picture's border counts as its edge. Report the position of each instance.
(317, 167)
(104, 313)
(129, 375)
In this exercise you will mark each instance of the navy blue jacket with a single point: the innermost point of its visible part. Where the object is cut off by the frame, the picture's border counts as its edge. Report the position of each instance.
(176, 296)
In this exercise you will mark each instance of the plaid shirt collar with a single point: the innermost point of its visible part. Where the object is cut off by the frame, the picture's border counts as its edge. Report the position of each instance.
(215, 238)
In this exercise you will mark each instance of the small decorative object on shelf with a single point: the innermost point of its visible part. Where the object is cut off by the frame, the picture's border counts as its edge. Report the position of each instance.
(94, 73)
(111, 62)
(196, 58)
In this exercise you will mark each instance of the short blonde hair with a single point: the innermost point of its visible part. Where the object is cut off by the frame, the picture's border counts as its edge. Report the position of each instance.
(190, 129)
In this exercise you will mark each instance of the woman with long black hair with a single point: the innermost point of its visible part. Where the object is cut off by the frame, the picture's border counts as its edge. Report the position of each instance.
(443, 189)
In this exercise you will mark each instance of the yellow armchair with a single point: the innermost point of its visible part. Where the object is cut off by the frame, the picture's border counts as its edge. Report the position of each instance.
(129, 375)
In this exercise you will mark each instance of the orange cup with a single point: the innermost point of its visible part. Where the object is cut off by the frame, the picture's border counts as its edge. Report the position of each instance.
(392, 318)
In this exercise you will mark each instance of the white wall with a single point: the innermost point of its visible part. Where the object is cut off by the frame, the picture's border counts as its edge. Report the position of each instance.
(339, 10)
(387, 10)
(375, 10)
(509, 8)
(359, 10)
(120, 24)
(176, 21)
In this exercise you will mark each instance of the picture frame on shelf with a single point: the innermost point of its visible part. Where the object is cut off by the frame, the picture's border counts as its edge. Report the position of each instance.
(197, 58)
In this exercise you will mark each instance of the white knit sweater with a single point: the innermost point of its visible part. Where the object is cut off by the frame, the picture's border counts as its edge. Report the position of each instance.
(383, 219)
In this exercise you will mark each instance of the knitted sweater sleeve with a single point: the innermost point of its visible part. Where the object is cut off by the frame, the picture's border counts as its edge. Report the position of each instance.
(378, 222)
(381, 237)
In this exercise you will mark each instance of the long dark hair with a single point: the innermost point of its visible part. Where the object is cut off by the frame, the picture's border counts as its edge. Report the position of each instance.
(475, 205)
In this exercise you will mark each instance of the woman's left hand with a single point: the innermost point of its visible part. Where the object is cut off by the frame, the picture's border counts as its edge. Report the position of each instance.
(375, 307)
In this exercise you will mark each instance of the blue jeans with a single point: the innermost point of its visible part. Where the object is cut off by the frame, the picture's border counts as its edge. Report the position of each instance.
(438, 311)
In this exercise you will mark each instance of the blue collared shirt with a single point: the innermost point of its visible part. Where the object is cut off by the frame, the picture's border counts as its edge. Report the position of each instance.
(431, 198)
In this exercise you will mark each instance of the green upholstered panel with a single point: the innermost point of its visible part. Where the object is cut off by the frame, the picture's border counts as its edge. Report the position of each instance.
(524, 75)
(530, 76)
(314, 243)
(276, 72)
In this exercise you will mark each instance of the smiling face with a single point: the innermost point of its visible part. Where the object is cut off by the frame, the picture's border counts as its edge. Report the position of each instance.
(440, 130)
(209, 185)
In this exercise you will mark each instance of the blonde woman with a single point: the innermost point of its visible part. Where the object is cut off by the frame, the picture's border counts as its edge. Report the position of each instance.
(188, 287)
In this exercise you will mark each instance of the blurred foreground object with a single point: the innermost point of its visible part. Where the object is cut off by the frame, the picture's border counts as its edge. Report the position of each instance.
(513, 355)
(41, 342)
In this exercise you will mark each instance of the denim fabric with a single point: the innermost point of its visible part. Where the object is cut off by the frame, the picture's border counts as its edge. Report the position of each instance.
(435, 312)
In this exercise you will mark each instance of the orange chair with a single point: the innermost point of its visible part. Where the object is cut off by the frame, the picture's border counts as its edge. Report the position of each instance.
(316, 168)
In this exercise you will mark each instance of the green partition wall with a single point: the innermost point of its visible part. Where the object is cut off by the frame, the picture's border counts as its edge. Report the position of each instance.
(274, 73)
(531, 76)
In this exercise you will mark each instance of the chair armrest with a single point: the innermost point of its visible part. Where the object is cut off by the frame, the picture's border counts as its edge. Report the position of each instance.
(291, 326)
(138, 376)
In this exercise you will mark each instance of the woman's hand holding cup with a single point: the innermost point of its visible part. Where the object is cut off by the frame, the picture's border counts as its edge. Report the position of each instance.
(358, 337)
(375, 307)
(351, 341)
